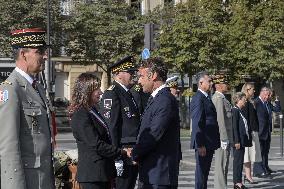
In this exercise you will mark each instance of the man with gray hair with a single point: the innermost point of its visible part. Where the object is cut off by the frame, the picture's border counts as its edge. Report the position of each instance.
(264, 112)
(205, 137)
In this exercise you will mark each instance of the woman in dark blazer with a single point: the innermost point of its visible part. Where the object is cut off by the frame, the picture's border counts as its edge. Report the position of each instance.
(96, 155)
(241, 136)
(252, 154)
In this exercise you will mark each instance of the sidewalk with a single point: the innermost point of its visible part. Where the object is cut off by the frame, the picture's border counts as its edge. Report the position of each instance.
(275, 158)
(276, 163)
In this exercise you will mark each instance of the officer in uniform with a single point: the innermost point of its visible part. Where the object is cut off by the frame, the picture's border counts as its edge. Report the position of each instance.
(26, 148)
(172, 83)
(224, 118)
(123, 118)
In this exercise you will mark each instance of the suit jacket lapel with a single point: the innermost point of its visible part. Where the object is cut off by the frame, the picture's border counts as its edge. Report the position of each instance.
(157, 95)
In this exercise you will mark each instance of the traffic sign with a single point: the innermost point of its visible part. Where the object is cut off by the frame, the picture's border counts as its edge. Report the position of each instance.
(145, 54)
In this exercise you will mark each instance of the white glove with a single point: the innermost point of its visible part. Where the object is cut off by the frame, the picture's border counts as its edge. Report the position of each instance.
(224, 144)
(119, 167)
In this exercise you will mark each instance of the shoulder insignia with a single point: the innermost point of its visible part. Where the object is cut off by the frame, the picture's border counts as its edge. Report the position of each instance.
(137, 88)
(111, 87)
(6, 82)
(4, 95)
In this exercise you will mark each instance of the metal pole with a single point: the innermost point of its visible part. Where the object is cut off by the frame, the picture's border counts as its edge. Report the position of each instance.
(281, 134)
(48, 65)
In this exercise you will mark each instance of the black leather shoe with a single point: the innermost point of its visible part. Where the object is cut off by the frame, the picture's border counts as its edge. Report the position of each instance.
(238, 187)
(262, 175)
(269, 171)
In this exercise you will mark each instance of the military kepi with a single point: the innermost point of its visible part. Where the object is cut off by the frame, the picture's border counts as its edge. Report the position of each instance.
(172, 82)
(123, 65)
(28, 38)
(220, 78)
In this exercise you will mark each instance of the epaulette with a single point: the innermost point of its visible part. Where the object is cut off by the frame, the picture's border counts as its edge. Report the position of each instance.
(6, 82)
(137, 88)
(111, 88)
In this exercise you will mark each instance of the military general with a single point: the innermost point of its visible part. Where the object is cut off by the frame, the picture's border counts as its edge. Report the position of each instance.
(25, 148)
(121, 113)
(224, 118)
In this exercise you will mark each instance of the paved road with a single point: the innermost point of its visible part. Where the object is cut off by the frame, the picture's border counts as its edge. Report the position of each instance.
(65, 141)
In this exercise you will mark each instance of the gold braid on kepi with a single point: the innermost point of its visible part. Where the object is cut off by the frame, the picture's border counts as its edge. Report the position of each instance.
(219, 79)
(172, 82)
(123, 67)
(125, 64)
(28, 38)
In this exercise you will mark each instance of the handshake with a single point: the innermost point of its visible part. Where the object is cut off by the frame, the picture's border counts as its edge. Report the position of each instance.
(128, 151)
(119, 164)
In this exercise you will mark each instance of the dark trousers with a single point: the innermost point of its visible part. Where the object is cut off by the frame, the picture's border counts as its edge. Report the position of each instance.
(152, 186)
(95, 185)
(128, 178)
(258, 169)
(238, 165)
(202, 169)
(264, 148)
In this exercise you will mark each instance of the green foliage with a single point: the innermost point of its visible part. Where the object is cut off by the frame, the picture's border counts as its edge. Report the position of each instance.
(244, 37)
(104, 31)
(19, 14)
(190, 41)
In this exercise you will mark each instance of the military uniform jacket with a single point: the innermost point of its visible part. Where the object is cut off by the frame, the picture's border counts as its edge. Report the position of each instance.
(121, 114)
(224, 116)
(25, 147)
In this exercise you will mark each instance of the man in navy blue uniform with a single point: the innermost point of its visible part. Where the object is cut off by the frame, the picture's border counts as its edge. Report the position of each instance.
(205, 137)
(157, 150)
(264, 110)
(123, 118)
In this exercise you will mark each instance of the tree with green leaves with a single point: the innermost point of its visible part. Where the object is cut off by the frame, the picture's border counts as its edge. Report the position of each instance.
(267, 60)
(104, 31)
(19, 14)
(193, 39)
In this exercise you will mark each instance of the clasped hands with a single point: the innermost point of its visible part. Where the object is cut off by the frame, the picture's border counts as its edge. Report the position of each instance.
(129, 151)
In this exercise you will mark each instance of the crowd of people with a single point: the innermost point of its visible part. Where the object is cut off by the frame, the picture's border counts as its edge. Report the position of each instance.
(131, 129)
(219, 126)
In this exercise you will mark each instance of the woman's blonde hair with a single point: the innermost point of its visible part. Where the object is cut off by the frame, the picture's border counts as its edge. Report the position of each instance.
(246, 87)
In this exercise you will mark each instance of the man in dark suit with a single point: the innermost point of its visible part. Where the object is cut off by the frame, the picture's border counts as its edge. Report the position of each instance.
(205, 137)
(264, 114)
(157, 150)
(122, 116)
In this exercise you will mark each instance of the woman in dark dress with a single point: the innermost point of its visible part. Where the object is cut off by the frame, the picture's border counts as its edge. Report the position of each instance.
(96, 155)
(241, 136)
